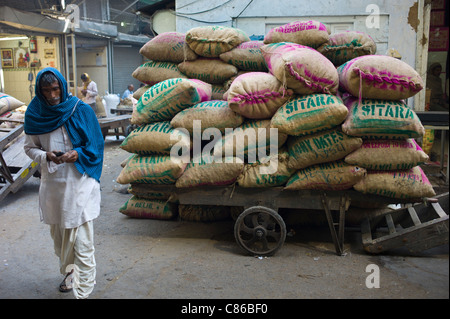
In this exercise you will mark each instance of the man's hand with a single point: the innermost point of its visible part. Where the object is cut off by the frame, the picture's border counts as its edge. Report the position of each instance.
(68, 157)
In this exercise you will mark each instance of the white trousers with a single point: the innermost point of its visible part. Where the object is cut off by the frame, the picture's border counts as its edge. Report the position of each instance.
(75, 246)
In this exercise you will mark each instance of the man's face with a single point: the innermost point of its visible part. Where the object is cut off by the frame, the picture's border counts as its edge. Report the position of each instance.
(52, 93)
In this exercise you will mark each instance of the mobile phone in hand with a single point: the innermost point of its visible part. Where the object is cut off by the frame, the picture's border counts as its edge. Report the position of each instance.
(59, 153)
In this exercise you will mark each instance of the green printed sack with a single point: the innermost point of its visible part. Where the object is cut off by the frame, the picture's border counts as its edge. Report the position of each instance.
(252, 175)
(218, 90)
(388, 155)
(257, 95)
(154, 139)
(163, 100)
(151, 169)
(153, 72)
(8, 103)
(311, 33)
(308, 114)
(210, 70)
(137, 207)
(327, 176)
(214, 113)
(247, 140)
(205, 170)
(347, 45)
(247, 56)
(409, 184)
(379, 77)
(211, 41)
(320, 147)
(168, 46)
(381, 119)
(301, 68)
(203, 213)
(141, 191)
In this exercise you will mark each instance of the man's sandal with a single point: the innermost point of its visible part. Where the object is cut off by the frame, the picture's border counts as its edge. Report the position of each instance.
(64, 286)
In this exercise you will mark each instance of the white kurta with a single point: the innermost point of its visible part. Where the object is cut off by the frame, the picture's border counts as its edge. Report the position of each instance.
(66, 197)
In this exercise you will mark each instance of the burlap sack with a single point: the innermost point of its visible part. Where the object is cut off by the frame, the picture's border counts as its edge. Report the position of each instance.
(154, 139)
(251, 176)
(137, 207)
(202, 171)
(163, 100)
(247, 56)
(321, 147)
(152, 169)
(218, 91)
(257, 95)
(156, 71)
(379, 77)
(381, 119)
(301, 68)
(139, 92)
(139, 190)
(311, 33)
(8, 103)
(308, 114)
(211, 41)
(203, 213)
(335, 175)
(168, 46)
(213, 113)
(210, 70)
(347, 45)
(247, 136)
(410, 184)
(388, 155)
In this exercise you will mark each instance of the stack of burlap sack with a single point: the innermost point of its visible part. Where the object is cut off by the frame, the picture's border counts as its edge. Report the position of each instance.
(12, 110)
(337, 107)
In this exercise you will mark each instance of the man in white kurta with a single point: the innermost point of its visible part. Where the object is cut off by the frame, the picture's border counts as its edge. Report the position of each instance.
(69, 193)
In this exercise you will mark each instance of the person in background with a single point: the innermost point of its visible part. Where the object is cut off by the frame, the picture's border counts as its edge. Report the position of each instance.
(89, 91)
(129, 91)
(63, 135)
(434, 82)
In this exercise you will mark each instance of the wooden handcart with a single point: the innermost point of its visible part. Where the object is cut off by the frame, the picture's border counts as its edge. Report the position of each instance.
(119, 125)
(15, 166)
(259, 229)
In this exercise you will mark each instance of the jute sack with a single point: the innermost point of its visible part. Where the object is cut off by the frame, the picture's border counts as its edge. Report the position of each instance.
(152, 169)
(311, 33)
(381, 119)
(139, 190)
(168, 46)
(156, 71)
(214, 113)
(211, 41)
(388, 155)
(217, 92)
(379, 77)
(8, 103)
(138, 93)
(335, 175)
(347, 45)
(257, 95)
(308, 114)
(321, 147)
(165, 99)
(206, 170)
(247, 56)
(248, 139)
(137, 207)
(210, 70)
(154, 139)
(203, 213)
(412, 183)
(301, 68)
(252, 175)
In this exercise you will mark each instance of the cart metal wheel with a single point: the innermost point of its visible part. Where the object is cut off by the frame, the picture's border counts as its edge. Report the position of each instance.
(260, 231)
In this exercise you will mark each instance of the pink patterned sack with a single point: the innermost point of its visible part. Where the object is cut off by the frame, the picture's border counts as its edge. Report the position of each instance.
(379, 77)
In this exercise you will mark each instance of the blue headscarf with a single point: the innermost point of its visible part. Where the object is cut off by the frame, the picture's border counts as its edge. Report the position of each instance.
(78, 118)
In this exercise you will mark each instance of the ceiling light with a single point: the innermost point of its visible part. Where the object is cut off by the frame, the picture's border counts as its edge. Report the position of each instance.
(13, 38)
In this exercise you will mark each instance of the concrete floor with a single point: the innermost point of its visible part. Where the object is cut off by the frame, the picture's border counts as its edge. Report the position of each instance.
(154, 259)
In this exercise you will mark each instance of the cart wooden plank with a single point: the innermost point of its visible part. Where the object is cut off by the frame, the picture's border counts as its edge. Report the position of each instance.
(117, 123)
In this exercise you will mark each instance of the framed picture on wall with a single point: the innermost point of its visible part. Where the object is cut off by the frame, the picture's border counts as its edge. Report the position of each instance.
(7, 58)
